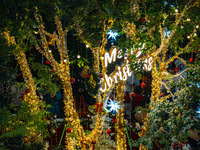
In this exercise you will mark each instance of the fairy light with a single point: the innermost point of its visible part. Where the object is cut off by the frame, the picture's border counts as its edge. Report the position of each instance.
(78, 56)
(87, 46)
(120, 122)
(176, 10)
(197, 26)
(65, 60)
(188, 36)
(188, 19)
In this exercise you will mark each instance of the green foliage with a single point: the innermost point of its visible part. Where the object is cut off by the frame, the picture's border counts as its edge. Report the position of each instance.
(18, 124)
(92, 83)
(17, 143)
(171, 119)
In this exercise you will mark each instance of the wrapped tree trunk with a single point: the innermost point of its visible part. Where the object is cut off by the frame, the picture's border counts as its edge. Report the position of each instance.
(120, 122)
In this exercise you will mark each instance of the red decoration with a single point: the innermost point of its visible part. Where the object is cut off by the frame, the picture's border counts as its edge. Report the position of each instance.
(102, 132)
(113, 120)
(132, 94)
(93, 142)
(143, 85)
(83, 114)
(143, 131)
(72, 80)
(191, 60)
(162, 94)
(99, 106)
(52, 70)
(93, 147)
(176, 69)
(128, 59)
(56, 79)
(47, 62)
(50, 38)
(186, 142)
(143, 20)
(108, 131)
(180, 146)
(175, 146)
(112, 147)
(101, 75)
(186, 108)
(28, 91)
(86, 76)
(22, 95)
(69, 130)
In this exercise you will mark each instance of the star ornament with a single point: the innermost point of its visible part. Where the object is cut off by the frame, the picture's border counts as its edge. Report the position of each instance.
(198, 111)
(114, 106)
(112, 35)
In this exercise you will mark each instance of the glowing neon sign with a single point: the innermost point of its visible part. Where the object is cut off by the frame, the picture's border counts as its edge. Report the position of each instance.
(123, 72)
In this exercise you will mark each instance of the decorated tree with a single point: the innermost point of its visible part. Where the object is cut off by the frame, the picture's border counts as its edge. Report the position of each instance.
(156, 36)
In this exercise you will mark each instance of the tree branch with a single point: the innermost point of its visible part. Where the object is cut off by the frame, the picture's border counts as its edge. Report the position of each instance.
(177, 21)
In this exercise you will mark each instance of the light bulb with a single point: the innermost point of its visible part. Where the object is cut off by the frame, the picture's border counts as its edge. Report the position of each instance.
(181, 27)
(188, 36)
(195, 34)
(78, 56)
(176, 10)
(87, 46)
(49, 51)
(65, 60)
(188, 19)
(197, 26)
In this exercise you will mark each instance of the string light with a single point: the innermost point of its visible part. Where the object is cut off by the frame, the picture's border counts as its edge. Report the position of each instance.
(197, 26)
(188, 19)
(49, 51)
(78, 56)
(188, 36)
(176, 10)
(65, 60)
(87, 46)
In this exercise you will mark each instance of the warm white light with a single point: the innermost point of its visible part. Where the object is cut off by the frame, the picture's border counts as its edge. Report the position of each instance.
(197, 26)
(181, 27)
(49, 51)
(102, 57)
(35, 32)
(195, 34)
(65, 60)
(87, 46)
(176, 10)
(188, 19)
(188, 36)
(108, 58)
(78, 56)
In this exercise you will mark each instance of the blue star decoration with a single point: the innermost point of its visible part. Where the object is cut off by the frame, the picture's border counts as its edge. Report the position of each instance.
(112, 35)
(114, 106)
(198, 111)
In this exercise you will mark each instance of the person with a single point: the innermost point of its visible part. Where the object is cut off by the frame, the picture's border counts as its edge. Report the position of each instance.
(138, 97)
(127, 104)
